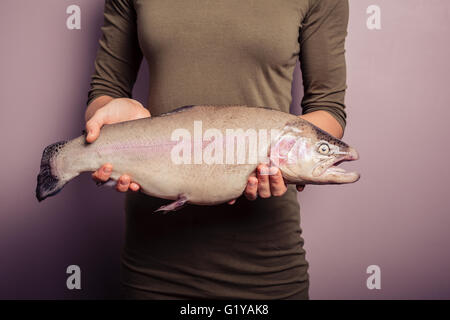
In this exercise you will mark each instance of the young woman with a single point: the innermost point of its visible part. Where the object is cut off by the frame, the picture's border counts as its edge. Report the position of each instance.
(218, 52)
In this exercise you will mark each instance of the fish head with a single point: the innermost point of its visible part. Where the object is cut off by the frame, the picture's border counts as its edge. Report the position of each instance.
(306, 154)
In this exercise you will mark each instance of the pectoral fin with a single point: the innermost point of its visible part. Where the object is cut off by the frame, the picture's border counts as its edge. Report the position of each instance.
(176, 205)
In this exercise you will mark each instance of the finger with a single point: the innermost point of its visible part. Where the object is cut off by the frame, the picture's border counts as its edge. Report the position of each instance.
(263, 181)
(103, 173)
(276, 182)
(134, 186)
(231, 202)
(93, 127)
(300, 187)
(251, 191)
(124, 183)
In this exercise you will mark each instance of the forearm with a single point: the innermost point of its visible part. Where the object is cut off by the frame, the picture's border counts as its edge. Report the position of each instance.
(325, 121)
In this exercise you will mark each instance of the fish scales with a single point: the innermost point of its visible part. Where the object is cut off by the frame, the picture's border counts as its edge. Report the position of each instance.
(144, 149)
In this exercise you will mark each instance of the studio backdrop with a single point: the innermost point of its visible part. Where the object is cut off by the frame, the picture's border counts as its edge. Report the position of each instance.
(385, 237)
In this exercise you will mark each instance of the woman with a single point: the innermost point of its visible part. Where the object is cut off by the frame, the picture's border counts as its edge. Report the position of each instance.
(218, 52)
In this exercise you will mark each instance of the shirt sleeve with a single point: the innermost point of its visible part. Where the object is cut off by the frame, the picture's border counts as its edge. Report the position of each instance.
(322, 58)
(119, 55)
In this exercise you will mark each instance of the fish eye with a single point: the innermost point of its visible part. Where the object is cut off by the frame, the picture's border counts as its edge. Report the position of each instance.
(324, 148)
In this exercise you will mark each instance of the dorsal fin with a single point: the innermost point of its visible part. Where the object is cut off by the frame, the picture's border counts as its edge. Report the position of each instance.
(179, 109)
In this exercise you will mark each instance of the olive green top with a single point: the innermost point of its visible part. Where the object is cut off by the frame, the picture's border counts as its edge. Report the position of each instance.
(221, 52)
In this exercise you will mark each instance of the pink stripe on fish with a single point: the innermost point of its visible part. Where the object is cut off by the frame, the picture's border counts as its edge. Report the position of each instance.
(139, 147)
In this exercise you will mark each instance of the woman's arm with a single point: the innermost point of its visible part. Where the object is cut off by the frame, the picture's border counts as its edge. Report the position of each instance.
(116, 68)
(325, 121)
(322, 60)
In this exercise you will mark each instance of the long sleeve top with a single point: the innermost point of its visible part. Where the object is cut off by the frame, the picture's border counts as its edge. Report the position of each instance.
(219, 53)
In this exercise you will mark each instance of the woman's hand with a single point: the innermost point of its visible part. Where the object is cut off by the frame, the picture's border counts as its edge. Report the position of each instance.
(266, 182)
(113, 111)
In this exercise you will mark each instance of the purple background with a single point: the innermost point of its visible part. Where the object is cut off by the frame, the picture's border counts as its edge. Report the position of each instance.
(396, 216)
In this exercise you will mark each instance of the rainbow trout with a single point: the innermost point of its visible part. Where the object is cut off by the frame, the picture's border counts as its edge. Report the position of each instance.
(201, 154)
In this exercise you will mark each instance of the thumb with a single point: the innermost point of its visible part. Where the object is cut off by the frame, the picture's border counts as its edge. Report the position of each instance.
(93, 128)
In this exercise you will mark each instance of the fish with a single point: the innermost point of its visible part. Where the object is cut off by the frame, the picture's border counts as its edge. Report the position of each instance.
(201, 154)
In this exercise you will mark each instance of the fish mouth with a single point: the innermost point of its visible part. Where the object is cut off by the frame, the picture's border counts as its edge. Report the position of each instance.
(331, 173)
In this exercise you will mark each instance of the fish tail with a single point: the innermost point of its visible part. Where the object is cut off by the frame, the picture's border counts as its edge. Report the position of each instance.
(48, 183)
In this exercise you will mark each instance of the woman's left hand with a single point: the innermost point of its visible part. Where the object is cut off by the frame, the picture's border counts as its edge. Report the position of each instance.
(266, 182)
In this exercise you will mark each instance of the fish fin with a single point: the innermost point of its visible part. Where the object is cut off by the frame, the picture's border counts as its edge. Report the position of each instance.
(47, 183)
(176, 205)
(178, 109)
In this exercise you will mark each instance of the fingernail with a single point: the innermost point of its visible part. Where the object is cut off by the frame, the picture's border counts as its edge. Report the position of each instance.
(252, 183)
(123, 182)
(264, 170)
(273, 170)
(107, 170)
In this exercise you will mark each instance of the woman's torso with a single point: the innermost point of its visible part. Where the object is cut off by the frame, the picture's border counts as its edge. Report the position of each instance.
(217, 52)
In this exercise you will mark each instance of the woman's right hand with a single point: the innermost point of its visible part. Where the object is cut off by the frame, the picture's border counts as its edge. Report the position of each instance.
(116, 110)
